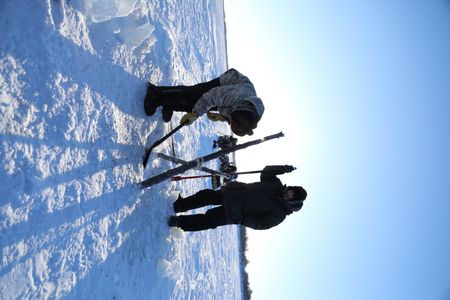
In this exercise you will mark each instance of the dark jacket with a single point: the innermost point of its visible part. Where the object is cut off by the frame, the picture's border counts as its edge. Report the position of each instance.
(257, 205)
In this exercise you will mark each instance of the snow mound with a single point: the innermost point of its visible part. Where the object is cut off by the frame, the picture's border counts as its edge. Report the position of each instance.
(173, 196)
(177, 234)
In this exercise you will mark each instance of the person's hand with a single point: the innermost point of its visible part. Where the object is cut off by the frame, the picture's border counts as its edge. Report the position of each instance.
(289, 168)
(188, 118)
(215, 117)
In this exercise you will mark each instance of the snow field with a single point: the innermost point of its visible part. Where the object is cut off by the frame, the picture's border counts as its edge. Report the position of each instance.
(73, 224)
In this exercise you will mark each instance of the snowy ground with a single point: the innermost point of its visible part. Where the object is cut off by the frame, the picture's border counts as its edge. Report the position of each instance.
(72, 132)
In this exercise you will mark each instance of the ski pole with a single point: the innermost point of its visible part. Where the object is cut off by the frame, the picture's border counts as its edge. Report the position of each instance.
(176, 178)
(149, 149)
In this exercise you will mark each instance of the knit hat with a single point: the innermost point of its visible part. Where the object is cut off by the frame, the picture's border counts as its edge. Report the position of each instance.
(299, 196)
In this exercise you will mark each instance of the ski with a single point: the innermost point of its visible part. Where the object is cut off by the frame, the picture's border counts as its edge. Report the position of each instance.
(181, 161)
(199, 161)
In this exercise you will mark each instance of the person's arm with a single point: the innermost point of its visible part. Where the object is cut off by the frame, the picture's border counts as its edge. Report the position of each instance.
(269, 172)
(221, 96)
(234, 87)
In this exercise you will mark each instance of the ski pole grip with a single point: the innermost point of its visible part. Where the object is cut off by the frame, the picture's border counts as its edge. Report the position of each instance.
(176, 178)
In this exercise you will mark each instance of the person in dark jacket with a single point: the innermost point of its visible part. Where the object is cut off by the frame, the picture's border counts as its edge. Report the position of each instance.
(259, 205)
(231, 94)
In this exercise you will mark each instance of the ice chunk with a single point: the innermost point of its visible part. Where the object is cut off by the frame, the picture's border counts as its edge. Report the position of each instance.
(134, 37)
(104, 10)
(167, 269)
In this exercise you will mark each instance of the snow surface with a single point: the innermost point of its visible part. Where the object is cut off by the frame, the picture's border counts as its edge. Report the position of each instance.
(72, 129)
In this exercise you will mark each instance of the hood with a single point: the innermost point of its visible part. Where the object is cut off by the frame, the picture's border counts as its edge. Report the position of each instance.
(257, 104)
(291, 205)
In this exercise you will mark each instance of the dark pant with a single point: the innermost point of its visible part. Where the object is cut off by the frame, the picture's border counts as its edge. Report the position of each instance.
(211, 219)
(182, 97)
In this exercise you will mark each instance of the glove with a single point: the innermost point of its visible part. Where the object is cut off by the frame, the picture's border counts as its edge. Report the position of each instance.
(215, 117)
(289, 168)
(188, 118)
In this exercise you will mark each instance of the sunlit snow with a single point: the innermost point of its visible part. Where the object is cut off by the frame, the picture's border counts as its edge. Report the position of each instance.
(73, 223)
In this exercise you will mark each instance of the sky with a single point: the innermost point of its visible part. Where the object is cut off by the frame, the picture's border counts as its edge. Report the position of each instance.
(361, 90)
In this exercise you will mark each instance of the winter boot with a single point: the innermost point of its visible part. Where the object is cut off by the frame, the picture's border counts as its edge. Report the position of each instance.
(178, 205)
(172, 99)
(167, 113)
(173, 221)
(150, 102)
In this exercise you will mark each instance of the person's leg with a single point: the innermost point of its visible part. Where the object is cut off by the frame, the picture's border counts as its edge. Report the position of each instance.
(211, 219)
(185, 94)
(200, 199)
(183, 98)
(196, 91)
(176, 98)
(169, 97)
(172, 98)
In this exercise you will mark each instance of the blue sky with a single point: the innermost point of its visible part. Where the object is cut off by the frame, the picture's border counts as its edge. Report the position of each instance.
(362, 91)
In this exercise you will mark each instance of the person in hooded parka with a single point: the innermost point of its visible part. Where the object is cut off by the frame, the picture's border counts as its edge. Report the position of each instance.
(232, 95)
